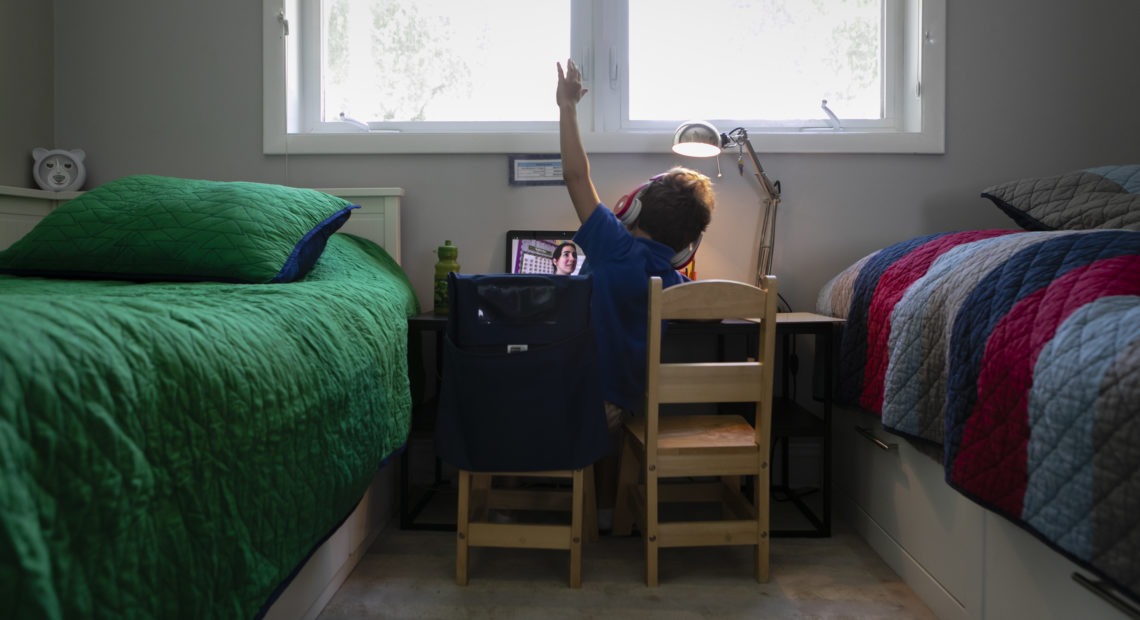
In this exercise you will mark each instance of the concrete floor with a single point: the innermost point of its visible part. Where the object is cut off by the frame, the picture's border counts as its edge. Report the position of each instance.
(411, 574)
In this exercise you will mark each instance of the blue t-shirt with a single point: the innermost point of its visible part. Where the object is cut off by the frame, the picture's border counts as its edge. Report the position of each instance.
(621, 266)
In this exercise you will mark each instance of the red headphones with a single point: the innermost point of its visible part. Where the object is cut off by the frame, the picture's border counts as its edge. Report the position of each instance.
(628, 209)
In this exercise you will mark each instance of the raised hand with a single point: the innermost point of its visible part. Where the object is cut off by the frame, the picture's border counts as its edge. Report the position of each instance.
(570, 90)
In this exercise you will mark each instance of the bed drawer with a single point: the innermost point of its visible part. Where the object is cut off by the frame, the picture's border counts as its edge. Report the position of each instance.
(896, 498)
(1026, 579)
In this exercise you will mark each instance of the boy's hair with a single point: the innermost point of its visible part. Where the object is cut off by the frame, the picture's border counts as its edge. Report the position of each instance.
(677, 207)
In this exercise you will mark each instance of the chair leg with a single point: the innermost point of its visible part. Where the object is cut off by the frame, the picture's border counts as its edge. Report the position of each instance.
(652, 505)
(577, 504)
(762, 498)
(461, 527)
(731, 482)
(627, 482)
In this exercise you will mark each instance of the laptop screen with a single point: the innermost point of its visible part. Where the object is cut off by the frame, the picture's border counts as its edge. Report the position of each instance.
(532, 251)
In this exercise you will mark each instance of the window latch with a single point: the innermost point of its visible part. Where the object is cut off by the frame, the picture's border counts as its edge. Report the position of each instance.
(613, 68)
(832, 119)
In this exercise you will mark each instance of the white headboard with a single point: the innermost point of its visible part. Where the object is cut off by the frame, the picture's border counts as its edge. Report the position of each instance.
(21, 209)
(377, 219)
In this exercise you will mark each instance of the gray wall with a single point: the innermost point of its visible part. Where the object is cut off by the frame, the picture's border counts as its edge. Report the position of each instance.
(174, 88)
(26, 68)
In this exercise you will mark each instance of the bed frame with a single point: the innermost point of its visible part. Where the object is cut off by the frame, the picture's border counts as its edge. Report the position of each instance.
(962, 560)
(318, 579)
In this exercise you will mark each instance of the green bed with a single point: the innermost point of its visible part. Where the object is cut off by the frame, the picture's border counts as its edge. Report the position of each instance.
(177, 449)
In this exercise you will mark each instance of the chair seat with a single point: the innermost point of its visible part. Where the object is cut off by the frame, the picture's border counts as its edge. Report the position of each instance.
(701, 445)
(697, 433)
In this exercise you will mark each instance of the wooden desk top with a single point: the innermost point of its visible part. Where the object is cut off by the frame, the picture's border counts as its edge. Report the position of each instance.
(805, 317)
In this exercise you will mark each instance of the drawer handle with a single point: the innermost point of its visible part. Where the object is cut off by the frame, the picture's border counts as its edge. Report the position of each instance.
(879, 443)
(1107, 594)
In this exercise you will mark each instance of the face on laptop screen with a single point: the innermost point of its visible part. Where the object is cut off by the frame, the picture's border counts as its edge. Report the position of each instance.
(534, 252)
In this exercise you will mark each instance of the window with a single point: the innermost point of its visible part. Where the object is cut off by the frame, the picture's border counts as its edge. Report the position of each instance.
(449, 76)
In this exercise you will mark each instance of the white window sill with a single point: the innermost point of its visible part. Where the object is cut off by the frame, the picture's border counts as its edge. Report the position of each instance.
(844, 141)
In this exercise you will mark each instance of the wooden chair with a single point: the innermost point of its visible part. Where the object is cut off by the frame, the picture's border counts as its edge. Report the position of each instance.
(520, 396)
(702, 458)
(479, 501)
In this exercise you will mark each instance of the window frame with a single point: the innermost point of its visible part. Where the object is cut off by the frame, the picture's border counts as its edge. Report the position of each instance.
(918, 105)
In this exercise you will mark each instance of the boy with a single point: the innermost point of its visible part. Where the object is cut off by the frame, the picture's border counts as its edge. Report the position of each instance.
(672, 212)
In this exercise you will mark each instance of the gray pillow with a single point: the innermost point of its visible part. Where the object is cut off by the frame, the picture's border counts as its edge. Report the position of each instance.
(1095, 198)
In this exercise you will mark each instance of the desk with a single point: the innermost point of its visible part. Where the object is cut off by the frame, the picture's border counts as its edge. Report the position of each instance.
(425, 390)
(789, 418)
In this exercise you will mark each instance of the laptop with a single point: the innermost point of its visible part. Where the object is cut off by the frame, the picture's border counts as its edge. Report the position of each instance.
(532, 251)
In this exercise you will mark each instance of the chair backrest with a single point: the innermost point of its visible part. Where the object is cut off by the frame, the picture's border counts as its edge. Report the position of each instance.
(520, 389)
(498, 309)
(711, 382)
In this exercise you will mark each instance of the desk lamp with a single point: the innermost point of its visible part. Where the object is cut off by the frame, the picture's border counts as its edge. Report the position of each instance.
(701, 139)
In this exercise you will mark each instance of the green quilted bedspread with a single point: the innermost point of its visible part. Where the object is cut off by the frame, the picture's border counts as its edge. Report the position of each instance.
(176, 450)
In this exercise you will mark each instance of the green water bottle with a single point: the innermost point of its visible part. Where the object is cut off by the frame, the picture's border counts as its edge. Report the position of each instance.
(447, 263)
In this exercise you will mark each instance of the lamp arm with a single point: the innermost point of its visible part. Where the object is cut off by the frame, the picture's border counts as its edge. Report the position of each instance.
(767, 232)
(770, 191)
(767, 239)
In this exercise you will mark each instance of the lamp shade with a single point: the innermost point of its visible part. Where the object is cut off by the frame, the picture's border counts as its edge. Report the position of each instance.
(697, 139)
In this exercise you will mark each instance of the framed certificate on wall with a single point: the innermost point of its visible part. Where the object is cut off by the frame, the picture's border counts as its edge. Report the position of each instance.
(534, 170)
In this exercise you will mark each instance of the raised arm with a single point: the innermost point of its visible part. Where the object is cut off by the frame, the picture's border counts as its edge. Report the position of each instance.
(575, 164)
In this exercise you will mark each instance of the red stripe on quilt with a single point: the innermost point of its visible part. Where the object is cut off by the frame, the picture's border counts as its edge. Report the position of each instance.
(893, 284)
(996, 435)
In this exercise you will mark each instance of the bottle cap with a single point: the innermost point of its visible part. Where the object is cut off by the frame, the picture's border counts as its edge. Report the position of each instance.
(447, 250)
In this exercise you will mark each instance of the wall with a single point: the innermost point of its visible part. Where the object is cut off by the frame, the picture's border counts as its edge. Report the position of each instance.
(26, 68)
(1033, 88)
